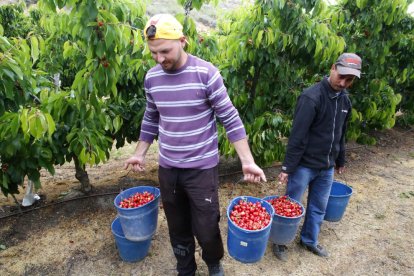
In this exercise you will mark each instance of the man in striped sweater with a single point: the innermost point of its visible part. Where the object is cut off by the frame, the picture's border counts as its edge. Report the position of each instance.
(185, 95)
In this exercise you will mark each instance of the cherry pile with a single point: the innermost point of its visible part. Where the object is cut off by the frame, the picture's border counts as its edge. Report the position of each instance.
(285, 207)
(249, 215)
(136, 200)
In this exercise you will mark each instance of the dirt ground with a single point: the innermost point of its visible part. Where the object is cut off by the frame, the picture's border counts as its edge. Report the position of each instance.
(66, 233)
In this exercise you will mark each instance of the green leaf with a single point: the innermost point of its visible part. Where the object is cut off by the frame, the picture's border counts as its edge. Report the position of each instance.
(100, 49)
(404, 75)
(67, 49)
(90, 84)
(117, 123)
(14, 126)
(83, 156)
(318, 48)
(4, 41)
(137, 42)
(16, 70)
(46, 153)
(9, 74)
(285, 41)
(110, 36)
(77, 83)
(72, 135)
(23, 120)
(126, 36)
(44, 96)
(270, 37)
(32, 126)
(92, 159)
(34, 43)
(259, 38)
(50, 124)
(60, 3)
(114, 90)
(39, 130)
(109, 17)
(42, 45)
(76, 30)
(5, 181)
(101, 154)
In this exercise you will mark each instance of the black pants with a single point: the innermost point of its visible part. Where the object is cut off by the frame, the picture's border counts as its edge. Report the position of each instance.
(191, 205)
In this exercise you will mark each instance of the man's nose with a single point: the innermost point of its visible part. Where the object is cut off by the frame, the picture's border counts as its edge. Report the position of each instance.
(159, 58)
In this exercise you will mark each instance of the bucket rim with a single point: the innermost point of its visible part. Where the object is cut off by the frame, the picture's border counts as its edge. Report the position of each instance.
(156, 196)
(261, 201)
(335, 182)
(112, 228)
(294, 200)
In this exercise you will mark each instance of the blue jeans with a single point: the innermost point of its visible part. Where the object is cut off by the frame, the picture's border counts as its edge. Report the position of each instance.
(319, 183)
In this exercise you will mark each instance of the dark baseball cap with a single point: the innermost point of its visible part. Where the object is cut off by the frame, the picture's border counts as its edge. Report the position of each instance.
(349, 64)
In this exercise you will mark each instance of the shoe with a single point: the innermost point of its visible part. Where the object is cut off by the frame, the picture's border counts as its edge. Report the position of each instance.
(318, 250)
(215, 269)
(280, 251)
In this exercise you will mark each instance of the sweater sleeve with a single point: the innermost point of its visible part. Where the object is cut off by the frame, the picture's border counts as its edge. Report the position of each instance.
(149, 125)
(304, 115)
(224, 108)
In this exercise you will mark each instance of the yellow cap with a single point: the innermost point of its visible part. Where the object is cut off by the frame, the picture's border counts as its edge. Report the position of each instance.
(166, 27)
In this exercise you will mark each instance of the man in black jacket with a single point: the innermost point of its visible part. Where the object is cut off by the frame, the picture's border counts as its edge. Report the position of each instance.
(317, 145)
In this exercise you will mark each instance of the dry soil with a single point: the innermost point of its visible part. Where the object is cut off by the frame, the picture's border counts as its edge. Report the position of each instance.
(66, 233)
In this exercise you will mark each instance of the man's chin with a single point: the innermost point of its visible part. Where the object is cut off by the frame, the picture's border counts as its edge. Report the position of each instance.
(166, 66)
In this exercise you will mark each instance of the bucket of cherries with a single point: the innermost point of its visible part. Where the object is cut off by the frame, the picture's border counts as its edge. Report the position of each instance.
(249, 222)
(136, 221)
(286, 219)
(137, 209)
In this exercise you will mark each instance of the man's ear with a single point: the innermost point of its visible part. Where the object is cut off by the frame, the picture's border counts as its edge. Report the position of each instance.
(183, 41)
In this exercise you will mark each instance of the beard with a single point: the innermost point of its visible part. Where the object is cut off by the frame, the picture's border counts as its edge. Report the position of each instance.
(168, 65)
(173, 64)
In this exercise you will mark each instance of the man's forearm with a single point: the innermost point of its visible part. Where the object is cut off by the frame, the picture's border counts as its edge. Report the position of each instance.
(243, 150)
(142, 148)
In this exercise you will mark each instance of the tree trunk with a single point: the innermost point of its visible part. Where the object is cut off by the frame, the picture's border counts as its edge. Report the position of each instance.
(82, 176)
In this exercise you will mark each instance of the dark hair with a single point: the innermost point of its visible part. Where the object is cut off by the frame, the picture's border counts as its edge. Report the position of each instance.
(151, 31)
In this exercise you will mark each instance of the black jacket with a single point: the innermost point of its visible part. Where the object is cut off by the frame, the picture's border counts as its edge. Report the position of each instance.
(317, 138)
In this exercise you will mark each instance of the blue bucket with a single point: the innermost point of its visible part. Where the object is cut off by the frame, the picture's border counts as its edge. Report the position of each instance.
(129, 251)
(247, 246)
(140, 223)
(284, 229)
(338, 200)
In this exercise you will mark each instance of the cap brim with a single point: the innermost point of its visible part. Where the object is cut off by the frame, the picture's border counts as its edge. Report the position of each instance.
(348, 71)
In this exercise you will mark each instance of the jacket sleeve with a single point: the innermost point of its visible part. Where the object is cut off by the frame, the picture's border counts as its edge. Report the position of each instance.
(340, 160)
(298, 139)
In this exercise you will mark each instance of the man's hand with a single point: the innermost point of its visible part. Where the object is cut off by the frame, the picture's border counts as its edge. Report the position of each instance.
(340, 170)
(252, 173)
(137, 163)
(283, 178)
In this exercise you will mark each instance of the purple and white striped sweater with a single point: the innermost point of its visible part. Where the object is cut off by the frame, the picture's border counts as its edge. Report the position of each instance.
(182, 107)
